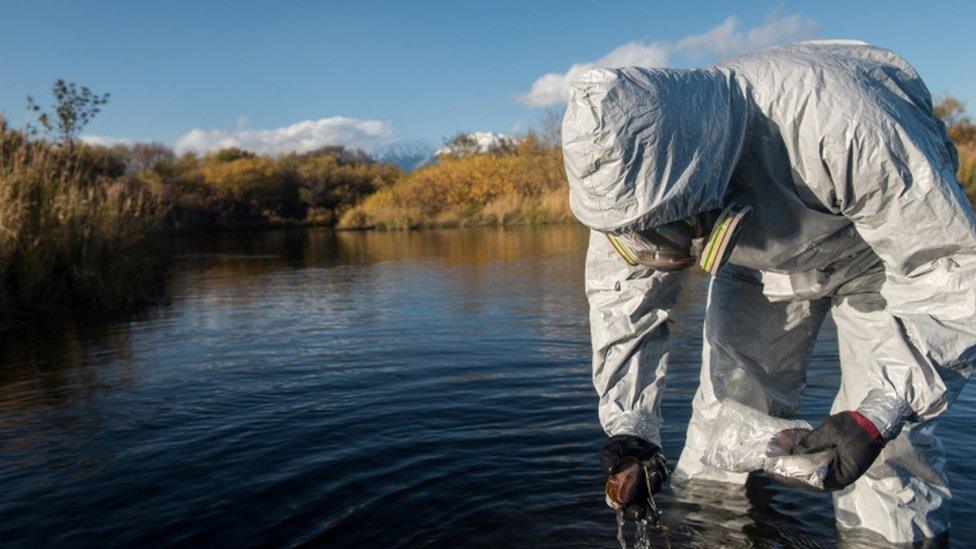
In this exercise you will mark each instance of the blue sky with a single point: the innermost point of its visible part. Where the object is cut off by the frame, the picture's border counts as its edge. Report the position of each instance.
(381, 71)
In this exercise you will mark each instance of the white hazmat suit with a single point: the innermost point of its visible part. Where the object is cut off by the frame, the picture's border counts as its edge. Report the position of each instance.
(856, 212)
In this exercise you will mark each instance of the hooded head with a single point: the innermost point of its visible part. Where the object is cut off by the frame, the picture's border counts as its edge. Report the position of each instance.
(646, 147)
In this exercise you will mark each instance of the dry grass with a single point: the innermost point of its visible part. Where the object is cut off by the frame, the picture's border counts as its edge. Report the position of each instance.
(524, 185)
(967, 168)
(71, 237)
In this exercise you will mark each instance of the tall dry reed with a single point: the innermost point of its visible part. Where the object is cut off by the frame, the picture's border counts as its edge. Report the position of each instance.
(71, 237)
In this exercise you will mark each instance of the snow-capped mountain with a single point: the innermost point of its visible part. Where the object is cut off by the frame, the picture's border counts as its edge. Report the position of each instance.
(408, 154)
(474, 142)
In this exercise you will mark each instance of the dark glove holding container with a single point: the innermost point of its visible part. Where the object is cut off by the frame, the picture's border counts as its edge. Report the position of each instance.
(631, 464)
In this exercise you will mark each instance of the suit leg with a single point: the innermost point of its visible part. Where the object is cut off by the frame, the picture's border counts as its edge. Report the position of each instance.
(755, 352)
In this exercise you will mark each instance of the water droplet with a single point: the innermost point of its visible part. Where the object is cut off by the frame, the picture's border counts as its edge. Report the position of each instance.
(620, 529)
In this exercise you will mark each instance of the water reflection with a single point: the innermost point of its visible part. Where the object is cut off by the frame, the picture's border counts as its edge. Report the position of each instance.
(385, 389)
(55, 364)
(324, 247)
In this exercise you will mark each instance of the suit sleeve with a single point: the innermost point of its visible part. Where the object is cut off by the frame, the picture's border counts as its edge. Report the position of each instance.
(898, 185)
(629, 312)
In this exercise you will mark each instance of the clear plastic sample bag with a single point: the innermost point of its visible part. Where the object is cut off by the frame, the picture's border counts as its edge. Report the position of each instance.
(744, 439)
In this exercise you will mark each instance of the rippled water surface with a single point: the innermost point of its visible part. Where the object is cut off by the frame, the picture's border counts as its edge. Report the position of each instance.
(308, 387)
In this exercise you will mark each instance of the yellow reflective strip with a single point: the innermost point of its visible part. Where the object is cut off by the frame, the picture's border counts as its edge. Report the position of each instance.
(715, 243)
(709, 258)
(622, 250)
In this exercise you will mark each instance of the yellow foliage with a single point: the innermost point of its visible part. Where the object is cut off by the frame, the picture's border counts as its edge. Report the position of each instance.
(962, 130)
(232, 187)
(967, 169)
(70, 235)
(328, 183)
(523, 185)
(261, 183)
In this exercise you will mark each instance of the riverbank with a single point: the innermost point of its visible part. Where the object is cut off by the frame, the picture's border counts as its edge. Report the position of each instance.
(522, 185)
(82, 227)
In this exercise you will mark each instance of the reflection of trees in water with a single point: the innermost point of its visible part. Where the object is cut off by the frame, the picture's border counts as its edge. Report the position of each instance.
(59, 363)
(368, 279)
(337, 277)
(528, 269)
(237, 266)
(461, 247)
(325, 247)
(51, 382)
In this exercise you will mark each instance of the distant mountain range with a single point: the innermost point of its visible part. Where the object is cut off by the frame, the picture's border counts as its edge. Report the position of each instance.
(410, 154)
(474, 142)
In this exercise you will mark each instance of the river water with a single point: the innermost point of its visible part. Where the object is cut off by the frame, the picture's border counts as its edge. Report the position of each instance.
(381, 389)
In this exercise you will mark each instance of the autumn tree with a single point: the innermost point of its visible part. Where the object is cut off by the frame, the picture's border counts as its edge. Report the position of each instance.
(74, 107)
(960, 126)
(140, 157)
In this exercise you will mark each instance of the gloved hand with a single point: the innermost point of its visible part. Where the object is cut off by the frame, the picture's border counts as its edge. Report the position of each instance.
(855, 443)
(614, 454)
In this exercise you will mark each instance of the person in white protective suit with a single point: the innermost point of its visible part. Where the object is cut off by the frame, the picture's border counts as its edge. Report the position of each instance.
(815, 178)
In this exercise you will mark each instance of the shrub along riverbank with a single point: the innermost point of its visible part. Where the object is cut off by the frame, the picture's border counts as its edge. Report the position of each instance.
(232, 188)
(82, 227)
(962, 131)
(74, 232)
(522, 184)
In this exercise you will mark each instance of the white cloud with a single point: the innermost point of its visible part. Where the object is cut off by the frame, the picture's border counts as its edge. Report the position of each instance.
(726, 39)
(105, 140)
(722, 40)
(550, 89)
(303, 136)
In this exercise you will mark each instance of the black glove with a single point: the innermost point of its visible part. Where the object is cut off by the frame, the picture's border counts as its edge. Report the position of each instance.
(854, 441)
(652, 462)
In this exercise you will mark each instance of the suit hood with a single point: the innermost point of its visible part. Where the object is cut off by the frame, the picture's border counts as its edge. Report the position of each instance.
(645, 147)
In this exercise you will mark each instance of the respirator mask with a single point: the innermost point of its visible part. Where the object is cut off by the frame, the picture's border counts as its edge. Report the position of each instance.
(708, 237)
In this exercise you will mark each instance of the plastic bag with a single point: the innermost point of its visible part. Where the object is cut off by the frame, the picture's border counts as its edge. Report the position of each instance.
(744, 439)
(800, 471)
